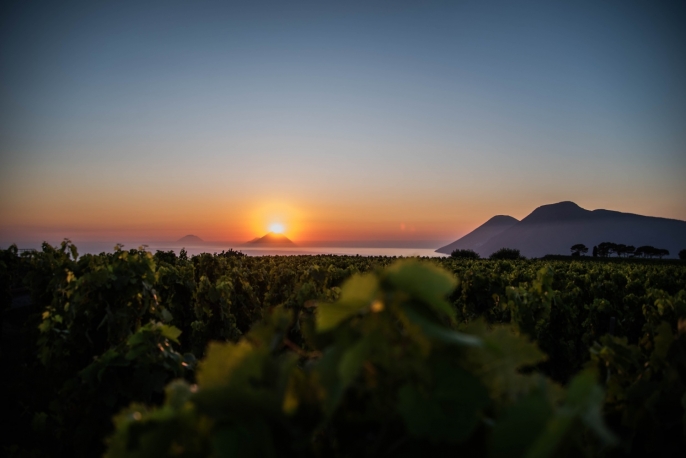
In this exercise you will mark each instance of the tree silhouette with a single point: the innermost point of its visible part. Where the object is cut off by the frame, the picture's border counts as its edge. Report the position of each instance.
(648, 251)
(606, 248)
(506, 253)
(682, 254)
(579, 249)
(464, 254)
(595, 251)
(645, 251)
(660, 252)
(624, 250)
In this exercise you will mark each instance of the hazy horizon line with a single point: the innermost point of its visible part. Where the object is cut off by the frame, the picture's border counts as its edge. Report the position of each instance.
(371, 243)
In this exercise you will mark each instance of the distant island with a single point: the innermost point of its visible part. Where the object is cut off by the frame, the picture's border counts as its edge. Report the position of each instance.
(273, 240)
(555, 228)
(190, 238)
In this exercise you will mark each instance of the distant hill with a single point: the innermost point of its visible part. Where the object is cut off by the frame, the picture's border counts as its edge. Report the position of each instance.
(272, 239)
(481, 234)
(553, 229)
(190, 238)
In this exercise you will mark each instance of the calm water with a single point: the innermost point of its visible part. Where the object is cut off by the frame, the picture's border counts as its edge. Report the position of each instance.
(99, 247)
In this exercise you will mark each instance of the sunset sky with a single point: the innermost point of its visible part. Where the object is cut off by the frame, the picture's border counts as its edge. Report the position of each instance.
(339, 120)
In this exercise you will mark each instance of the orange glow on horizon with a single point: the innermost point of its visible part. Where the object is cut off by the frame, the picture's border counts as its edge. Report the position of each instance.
(277, 217)
(246, 220)
(123, 216)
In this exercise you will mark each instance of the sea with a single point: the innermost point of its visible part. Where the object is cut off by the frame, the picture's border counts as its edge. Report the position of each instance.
(91, 247)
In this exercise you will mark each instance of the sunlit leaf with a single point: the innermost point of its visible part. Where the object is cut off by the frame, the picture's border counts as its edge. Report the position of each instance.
(225, 363)
(171, 332)
(424, 282)
(357, 293)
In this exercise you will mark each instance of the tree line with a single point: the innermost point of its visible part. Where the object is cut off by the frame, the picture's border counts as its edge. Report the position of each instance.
(602, 250)
(606, 249)
(501, 254)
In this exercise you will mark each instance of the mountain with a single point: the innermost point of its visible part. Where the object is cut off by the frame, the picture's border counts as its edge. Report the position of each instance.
(481, 234)
(554, 228)
(272, 239)
(190, 238)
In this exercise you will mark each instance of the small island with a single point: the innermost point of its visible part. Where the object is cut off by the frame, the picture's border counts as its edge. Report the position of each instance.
(190, 239)
(273, 240)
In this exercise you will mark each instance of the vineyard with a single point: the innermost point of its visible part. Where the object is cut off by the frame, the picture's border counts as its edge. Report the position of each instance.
(131, 353)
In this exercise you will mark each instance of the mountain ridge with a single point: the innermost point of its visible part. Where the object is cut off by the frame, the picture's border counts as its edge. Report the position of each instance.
(481, 234)
(554, 228)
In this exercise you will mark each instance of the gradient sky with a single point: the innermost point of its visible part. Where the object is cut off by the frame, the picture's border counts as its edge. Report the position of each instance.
(341, 120)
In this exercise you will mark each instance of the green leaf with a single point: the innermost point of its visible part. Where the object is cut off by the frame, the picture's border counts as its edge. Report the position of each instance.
(299, 390)
(424, 282)
(587, 397)
(74, 252)
(177, 394)
(663, 341)
(171, 332)
(499, 360)
(228, 364)
(352, 361)
(583, 403)
(166, 315)
(358, 292)
(441, 333)
(328, 379)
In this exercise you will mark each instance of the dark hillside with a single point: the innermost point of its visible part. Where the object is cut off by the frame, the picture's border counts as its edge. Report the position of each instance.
(553, 229)
(481, 234)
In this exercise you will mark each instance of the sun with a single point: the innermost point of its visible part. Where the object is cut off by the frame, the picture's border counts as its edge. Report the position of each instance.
(276, 228)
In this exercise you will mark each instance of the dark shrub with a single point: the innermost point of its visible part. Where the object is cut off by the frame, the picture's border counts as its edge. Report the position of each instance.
(506, 253)
(464, 254)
